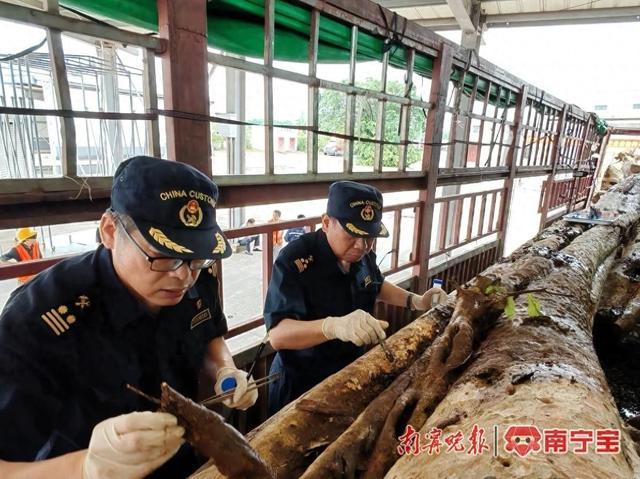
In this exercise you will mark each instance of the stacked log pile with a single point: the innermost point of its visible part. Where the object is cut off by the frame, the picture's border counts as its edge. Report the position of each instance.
(512, 347)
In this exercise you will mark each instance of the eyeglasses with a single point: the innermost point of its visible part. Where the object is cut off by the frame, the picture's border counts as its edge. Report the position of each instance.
(164, 264)
(368, 242)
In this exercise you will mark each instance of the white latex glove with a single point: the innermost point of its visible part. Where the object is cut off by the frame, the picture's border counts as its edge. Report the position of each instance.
(242, 399)
(429, 299)
(358, 327)
(131, 446)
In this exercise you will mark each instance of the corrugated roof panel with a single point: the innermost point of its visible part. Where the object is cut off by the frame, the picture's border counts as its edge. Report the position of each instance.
(514, 7)
(442, 11)
(409, 12)
(578, 4)
(606, 4)
(436, 11)
(510, 6)
(532, 6)
(501, 7)
(554, 5)
(426, 12)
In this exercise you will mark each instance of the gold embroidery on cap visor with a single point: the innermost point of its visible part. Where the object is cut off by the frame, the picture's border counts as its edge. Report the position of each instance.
(355, 230)
(367, 213)
(221, 247)
(191, 214)
(162, 240)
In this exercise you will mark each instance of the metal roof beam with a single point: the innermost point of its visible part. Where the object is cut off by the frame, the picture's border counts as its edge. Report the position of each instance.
(461, 12)
(561, 17)
(467, 15)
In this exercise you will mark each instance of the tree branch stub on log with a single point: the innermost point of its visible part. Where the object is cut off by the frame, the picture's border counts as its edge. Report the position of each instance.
(538, 370)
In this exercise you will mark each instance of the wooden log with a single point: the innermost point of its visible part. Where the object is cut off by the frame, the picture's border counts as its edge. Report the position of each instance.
(549, 240)
(214, 438)
(619, 308)
(292, 439)
(540, 371)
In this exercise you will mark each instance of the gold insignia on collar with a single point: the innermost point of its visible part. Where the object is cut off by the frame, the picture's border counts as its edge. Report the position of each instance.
(221, 246)
(162, 239)
(367, 281)
(83, 302)
(191, 214)
(351, 227)
(367, 213)
(303, 263)
(56, 322)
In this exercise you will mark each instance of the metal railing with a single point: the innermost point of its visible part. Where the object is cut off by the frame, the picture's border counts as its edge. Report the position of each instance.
(479, 123)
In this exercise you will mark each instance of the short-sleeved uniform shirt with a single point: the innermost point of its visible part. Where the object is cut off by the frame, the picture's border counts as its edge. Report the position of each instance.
(308, 284)
(70, 341)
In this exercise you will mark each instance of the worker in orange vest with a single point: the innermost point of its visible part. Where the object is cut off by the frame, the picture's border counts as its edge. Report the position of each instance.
(27, 248)
(278, 240)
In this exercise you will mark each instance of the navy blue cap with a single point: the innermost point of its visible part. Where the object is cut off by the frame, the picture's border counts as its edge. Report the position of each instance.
(173, 205)
(358, 208)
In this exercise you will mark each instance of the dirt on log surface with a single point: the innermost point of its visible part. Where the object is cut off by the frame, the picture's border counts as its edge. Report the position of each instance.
(534, 367)
(540, 371)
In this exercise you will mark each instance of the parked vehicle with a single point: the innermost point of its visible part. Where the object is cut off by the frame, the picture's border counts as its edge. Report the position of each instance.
(333, 148)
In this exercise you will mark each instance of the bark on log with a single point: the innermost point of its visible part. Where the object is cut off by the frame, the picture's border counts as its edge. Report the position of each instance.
(549, 240)
(540, 371)
(214, 438)
(293, 438)
(619, 308)
(288, 440)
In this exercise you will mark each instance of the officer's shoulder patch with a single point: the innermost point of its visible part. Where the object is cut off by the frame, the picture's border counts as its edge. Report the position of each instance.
(303, 263)
(62, 318)
(201, 317)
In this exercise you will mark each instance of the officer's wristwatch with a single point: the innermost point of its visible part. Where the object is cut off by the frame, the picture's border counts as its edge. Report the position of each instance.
(410, 306)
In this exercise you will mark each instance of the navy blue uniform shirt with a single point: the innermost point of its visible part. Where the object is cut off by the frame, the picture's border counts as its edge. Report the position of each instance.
(73, 337)
(308, 284)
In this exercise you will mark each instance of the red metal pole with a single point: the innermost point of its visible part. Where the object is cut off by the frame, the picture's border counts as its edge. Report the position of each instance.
(183, 23)
(431, 157)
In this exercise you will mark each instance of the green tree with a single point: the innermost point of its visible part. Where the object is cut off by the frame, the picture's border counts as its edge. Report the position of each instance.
(301, 144)
(332, 117)
(332, 114)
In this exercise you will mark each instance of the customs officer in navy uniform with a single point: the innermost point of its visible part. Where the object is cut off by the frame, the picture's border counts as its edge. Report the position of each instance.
(323, 290)
(141, 309)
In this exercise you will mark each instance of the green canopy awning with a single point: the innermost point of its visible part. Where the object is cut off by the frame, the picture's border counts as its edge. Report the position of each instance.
(237, 26)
